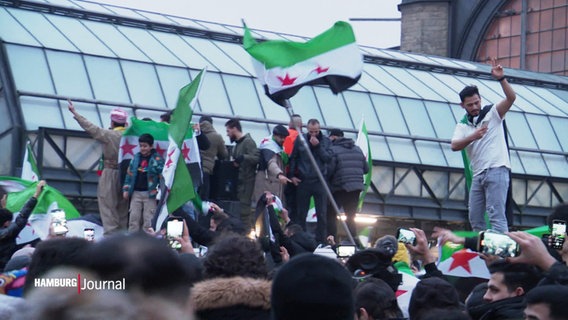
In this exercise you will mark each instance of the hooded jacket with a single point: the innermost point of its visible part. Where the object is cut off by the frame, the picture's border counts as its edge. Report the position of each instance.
(232, 299)
(216, 147)
(347, 166)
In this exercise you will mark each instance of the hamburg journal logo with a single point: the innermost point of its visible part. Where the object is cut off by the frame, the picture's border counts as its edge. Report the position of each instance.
(80, 283)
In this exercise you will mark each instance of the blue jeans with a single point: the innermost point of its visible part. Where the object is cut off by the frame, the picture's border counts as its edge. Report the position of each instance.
(489, 194)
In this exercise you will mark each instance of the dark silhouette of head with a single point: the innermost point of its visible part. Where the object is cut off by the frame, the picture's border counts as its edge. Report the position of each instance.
(146, 263)
(58, 252)
(235, 255)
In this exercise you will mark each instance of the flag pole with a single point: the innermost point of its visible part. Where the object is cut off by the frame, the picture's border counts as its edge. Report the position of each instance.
(288, 107)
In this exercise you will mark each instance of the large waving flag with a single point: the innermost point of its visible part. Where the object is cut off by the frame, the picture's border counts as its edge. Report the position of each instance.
(365, 146)
(159, 130)
(283, 67)
(29, 165)
(19, 191)
(178, 183)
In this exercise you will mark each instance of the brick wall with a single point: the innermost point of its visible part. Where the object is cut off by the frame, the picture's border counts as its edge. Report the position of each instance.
(424, 27)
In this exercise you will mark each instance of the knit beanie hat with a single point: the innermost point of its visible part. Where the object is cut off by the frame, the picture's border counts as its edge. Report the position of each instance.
(388, 244)
(312, 287)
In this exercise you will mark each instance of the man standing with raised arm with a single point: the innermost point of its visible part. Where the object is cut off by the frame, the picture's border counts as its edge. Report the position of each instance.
(112, 207)
(483, 138)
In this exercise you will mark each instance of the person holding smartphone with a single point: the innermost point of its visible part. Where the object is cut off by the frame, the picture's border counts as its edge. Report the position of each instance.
(540, 252)
(482, 136)
(9, 230)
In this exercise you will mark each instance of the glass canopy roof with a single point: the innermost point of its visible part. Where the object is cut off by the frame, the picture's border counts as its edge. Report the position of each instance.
(409, 101)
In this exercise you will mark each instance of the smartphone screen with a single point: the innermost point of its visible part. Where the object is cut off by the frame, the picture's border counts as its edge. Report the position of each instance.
(558, 234)
(406, 236)
(89, 234)
(497, 244)
(345, 251)
(174, 229)
(59, 222)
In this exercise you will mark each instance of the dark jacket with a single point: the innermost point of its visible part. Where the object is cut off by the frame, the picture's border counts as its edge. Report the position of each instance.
(247, 155)
(347, 166)
(557, 274)
(232, 299)
(206, 237)
(300, 242)
(510, 308)
(216, 147)
(194, 168)
(8, 235)
(300, 164)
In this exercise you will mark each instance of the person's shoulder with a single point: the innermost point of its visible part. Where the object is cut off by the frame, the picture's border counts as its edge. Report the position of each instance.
(249, 140)
(461, 125)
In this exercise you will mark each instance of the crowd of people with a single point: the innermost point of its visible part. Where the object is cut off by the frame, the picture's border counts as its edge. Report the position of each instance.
(286, 270)
(139, 276)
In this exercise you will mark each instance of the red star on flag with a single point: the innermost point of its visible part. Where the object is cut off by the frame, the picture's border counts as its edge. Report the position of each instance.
(127, 148)
(185, 151)
(399, 292)
(159, 150)
(319, 69)
(286, 81)
(169, 162)
(461, 259)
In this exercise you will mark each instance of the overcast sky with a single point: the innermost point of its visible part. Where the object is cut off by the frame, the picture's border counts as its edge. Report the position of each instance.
(299, 17)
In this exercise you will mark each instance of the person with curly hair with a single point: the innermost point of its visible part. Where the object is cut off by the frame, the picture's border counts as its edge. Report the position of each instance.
(236, 284)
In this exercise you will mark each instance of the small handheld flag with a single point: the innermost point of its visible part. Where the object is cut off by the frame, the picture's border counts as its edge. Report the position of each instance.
(29, 166)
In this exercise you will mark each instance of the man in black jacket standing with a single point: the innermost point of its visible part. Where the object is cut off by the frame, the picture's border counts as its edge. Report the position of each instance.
(305, 177)
(346, 170)
(9, 230)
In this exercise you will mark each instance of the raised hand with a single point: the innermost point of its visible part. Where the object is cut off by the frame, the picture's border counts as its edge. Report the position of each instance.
(71, 106)
(496, 69)
(39, 188)
(533, 250)
(445, 235)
